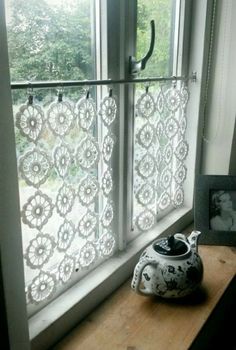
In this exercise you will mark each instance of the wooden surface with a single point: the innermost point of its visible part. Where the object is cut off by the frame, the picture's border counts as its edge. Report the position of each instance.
(127, 321)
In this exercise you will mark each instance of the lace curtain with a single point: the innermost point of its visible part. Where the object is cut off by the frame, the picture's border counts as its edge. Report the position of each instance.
(66, 181)
(160, 150)
(67, 210)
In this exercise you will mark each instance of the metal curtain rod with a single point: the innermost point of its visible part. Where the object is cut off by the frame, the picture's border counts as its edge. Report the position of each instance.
(71, 83)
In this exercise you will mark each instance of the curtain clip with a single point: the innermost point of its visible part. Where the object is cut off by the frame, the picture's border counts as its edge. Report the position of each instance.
(87, 94)
(60, 93)
(30, 93)
(174, 82)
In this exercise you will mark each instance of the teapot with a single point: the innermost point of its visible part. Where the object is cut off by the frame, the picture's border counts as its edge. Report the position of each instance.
(170, 267)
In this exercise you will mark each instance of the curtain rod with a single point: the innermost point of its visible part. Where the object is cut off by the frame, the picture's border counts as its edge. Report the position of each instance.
(71, 83)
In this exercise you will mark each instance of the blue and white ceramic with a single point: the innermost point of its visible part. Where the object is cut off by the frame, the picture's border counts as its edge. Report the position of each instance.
(170, 267)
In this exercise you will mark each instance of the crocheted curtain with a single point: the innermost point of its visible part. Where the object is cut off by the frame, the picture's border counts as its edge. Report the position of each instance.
(160, 150)
(66, 181)
(66, 207)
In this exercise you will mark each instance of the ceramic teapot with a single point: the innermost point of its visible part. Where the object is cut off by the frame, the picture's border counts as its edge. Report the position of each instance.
(170, 267)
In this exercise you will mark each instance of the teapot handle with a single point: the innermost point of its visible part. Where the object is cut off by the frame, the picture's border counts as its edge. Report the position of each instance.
(135, 284)
(181, 236)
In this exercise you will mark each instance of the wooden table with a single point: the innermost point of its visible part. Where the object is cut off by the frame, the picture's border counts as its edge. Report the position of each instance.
(126, 321)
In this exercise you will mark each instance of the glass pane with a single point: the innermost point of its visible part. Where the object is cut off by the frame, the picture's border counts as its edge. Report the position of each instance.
(64, 160)
(163, 13)
(50, 39)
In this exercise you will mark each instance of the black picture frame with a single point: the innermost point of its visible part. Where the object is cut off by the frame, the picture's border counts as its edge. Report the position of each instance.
(210, 193)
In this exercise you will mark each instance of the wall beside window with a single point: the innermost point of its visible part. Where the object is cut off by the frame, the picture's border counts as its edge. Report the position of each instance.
(12, 284)
(220, 109)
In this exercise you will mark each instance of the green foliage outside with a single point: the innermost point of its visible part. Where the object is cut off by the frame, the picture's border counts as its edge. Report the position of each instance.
(161, 11)
(49, 42)
(56, 43)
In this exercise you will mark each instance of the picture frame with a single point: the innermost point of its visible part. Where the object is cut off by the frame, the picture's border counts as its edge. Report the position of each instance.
(215, 209)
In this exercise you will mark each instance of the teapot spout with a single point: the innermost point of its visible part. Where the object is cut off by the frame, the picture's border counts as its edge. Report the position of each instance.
(193, 240)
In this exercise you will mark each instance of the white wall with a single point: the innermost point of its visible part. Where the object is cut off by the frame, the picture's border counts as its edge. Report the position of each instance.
(221, 107)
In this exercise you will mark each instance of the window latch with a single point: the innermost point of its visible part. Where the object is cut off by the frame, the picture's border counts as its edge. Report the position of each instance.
(136, 66)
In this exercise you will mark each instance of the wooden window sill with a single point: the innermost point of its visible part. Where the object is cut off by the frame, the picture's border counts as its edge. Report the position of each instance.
(126, 321)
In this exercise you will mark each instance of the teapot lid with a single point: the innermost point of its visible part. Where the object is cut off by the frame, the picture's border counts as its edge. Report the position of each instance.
(170, 246)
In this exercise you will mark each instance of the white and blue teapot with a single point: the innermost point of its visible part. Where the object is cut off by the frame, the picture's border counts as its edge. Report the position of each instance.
(170, 267)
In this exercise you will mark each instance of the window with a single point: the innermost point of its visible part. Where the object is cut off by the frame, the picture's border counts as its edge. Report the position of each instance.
(99, 164)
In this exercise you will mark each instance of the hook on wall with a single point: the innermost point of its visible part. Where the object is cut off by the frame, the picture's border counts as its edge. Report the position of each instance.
(136, 66)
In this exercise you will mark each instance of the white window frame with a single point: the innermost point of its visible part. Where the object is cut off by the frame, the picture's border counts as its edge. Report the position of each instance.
(62, 314)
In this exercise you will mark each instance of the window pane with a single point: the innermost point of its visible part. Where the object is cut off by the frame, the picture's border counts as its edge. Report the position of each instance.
(50, 39)
(66, 190)
(163, 13)
(64, 145)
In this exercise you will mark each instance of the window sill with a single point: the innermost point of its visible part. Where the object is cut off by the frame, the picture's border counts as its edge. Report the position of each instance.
(59, 317)
(129, 321)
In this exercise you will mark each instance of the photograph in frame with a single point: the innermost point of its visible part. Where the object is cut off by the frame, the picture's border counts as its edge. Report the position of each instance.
(215, 209)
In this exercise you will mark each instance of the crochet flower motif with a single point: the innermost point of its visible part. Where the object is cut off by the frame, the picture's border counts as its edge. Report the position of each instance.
(42, 287)
(86, 112)
(160, 102)
(88, 190)
(184, 95)
(108, 214)
(166, 178)
(171, 128)
(107, 244)
(181, 151)
(180, 174)
(60, 118)
(173, 100)
(183, 125)
(65, 200)
(159, 129)
(159, 157)
(37, 210)
(145, 135)
(146, 166)
(146, 105)
(178, 199)
(88, 224)
(145, 194)
(108, 110)
(62, 159)
(88, 153)
(168, 153)
(108, 145)
(66, 268)
(65, 235)
(29, 120)
(145, 220)
(39, 251)
(34, 167)
(107, 182)
(164, 201)
(88, 254)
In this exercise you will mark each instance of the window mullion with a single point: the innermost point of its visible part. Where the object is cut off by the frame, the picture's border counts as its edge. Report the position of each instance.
(121, 45)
